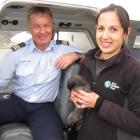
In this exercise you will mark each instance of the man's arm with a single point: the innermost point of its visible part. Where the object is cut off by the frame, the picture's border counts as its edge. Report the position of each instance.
(68, 59)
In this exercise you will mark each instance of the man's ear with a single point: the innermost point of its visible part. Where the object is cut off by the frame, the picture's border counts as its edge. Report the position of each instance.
(53, 31)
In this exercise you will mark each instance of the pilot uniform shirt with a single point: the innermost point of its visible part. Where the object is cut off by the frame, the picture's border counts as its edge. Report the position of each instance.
(34, 76)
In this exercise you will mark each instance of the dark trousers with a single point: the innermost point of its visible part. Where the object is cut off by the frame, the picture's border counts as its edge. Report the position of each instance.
(42, 118)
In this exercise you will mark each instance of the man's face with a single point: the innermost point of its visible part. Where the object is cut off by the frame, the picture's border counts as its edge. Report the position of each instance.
(41, 28)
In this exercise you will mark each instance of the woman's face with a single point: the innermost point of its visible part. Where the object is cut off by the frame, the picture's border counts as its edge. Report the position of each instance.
(109, 34)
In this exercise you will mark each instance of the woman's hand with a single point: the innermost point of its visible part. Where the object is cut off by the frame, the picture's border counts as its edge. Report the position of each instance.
(83, 99)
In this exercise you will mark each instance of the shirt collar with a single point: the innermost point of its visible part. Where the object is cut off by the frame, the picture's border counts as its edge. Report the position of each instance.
(30, 42)
(112, 60)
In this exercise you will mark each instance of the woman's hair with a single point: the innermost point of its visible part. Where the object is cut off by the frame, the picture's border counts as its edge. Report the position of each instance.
(120, 12)
(39, 10)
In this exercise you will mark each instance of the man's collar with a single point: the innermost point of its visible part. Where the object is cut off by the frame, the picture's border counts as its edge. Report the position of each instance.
(34, 48)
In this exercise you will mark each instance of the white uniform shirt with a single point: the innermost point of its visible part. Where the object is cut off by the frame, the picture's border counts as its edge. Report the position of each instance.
(33, 73)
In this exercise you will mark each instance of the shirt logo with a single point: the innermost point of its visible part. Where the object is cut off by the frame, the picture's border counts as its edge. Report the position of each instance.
(111, 85)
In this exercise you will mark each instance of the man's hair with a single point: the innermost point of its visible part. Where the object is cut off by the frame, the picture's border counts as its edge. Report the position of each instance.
(39, 10)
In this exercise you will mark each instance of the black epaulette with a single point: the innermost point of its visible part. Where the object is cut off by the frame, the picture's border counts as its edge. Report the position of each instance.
(18, 46)
(62, 42)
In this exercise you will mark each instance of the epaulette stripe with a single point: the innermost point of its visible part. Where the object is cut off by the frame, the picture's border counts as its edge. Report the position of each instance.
(65, 42)
(62, 42)
(18, 46)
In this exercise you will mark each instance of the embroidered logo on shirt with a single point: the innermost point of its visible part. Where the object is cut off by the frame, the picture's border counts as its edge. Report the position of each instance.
(111, 85)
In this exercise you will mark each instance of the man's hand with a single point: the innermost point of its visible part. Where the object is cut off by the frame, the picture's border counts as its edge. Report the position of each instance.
(66, 60)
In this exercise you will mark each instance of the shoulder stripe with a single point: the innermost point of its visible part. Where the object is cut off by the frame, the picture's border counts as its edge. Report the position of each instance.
(18, 46)
(62, 42)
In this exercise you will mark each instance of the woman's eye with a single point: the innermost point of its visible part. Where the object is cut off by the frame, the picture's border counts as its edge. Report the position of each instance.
(100, 29)
(113, 29)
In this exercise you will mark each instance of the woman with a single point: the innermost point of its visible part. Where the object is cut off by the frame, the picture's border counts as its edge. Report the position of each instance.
(114, 74)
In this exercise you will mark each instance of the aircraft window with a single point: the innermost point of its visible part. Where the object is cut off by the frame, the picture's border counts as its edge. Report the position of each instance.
(79, 39)
(137, 42)
(9, 38)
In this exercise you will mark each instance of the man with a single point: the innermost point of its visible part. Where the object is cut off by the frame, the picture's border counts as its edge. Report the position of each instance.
(35, 70)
